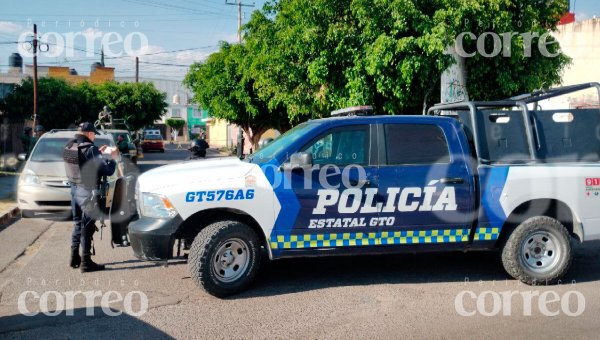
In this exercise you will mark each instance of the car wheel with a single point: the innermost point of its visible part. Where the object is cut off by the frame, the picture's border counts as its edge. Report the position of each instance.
(27, 214)
(162, 150)
(538, 251)
(134, 160)
(224, 258)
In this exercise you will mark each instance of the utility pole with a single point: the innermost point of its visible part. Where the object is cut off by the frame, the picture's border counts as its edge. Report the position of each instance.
(35, 74)
(137, 69)
(239, 4)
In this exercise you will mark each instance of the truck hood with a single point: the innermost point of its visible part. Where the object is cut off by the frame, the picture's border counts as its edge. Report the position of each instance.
(192, 172)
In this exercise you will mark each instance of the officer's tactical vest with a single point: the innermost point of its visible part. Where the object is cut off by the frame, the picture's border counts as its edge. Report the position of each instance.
(74, 162)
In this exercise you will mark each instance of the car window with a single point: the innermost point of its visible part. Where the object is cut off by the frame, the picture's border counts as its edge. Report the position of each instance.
(51, 149)
(281, 143)
(116, 135)
(153, 137)
(348, 145)
(415, 144)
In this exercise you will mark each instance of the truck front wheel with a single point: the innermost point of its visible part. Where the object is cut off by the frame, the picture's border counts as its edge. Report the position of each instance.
(538, 251)
(224, 258)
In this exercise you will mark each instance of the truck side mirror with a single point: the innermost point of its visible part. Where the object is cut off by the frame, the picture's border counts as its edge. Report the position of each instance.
(299, 160)
(22, 157)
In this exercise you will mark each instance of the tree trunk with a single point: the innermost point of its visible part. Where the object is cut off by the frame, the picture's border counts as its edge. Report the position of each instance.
(253, 136)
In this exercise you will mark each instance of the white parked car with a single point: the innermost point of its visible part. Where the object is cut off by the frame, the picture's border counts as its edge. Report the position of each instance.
(43, 185)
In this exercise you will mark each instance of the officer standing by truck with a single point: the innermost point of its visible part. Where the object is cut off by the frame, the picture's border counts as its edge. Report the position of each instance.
(85, 168)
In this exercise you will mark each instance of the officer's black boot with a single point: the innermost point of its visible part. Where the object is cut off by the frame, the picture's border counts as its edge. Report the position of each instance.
(87, 265)
(75, 258)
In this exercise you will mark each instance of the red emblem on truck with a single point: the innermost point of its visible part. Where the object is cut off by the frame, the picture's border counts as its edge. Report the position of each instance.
(592, 182)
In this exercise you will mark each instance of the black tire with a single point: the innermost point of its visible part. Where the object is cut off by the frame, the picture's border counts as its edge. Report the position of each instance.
(532, 239)
(205, 260)
(162, 150)
(27, 214)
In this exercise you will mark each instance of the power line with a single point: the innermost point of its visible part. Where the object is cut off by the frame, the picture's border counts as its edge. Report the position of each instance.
(163, 64)
(174, 7)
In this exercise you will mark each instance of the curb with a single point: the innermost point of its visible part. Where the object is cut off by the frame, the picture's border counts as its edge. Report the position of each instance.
(8, 215)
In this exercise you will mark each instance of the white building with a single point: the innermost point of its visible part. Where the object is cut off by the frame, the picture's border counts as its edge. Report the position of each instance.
(180, 103)
(580, 40)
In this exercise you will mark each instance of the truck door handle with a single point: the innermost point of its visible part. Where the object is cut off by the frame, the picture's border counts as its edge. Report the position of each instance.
(456, 180)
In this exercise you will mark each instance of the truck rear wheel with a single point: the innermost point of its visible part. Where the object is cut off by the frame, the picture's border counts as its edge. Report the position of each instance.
(538, 251)
(224, 258)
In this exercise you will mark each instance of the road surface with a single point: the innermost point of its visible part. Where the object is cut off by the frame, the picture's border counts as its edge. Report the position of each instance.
(388, 297)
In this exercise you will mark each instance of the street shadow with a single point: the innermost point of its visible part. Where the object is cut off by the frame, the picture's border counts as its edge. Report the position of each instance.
(306, 274)
(93, 324)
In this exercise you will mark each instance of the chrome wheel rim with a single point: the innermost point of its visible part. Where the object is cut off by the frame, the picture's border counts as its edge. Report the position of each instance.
(540, 251)
(231, 260)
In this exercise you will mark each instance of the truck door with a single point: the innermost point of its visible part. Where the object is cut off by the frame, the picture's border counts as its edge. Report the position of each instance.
(425, 185)
(333, 195)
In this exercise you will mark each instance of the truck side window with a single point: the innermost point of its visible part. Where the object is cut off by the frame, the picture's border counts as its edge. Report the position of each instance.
(341, 146)
(415, 144)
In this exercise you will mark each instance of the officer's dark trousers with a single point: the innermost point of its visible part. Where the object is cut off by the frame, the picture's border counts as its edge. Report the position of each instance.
(85, 226)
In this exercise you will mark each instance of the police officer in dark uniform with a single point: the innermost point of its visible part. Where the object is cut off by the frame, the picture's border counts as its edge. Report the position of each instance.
(198, 148)
(85, 168)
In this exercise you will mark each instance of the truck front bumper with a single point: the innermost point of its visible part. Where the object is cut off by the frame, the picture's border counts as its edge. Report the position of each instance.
(152, 238)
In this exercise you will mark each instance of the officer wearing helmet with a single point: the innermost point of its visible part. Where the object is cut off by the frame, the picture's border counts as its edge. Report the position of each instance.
(198, 147)
(39, 131)
(85, 168)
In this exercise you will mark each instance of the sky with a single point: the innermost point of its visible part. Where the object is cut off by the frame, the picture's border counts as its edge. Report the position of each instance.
(193, 28)
(167, 35)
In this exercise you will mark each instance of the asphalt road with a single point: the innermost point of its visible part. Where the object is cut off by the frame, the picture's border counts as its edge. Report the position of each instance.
(385, 297)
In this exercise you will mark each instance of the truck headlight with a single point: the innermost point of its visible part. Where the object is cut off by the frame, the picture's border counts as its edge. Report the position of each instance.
(30, 178)
(156, 206)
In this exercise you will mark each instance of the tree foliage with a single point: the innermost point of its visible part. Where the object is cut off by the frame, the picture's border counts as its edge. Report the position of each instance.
(139, 103)
(174, 123)
(61, 105)
(57, 103)
(224, 84)
(306, 58)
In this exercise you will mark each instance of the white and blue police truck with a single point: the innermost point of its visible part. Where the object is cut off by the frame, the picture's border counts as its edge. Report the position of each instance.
(520, 175)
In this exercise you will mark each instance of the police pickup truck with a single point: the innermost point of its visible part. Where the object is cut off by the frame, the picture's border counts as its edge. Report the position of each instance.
(520, 175)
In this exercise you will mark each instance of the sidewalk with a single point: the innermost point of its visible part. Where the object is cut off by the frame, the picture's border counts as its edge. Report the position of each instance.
(8, 197)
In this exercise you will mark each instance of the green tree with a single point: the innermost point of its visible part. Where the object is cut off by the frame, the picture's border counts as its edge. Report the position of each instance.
(62, 105)
(58, 103)
(139, 103)
(224, 85)
(176, 125)
(313, 56)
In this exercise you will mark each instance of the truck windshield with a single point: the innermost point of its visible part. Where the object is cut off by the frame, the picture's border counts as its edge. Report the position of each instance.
(281, 143)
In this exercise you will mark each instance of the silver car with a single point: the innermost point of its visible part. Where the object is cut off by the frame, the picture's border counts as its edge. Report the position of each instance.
(43, 185)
